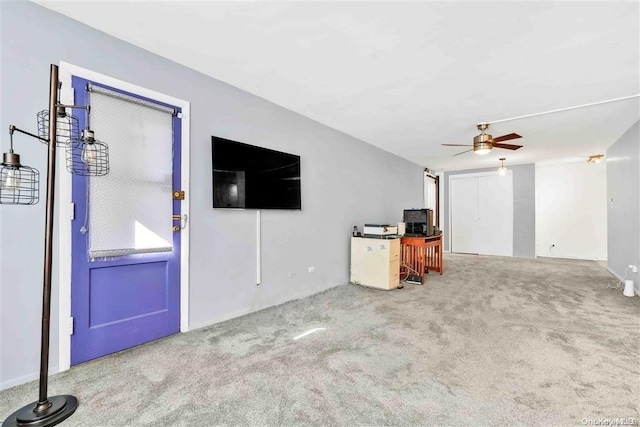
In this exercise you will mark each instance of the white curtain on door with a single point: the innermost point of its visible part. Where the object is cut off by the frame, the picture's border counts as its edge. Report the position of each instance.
(130, 209)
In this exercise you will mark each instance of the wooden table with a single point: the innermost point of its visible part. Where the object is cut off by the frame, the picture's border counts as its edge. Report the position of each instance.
(422, 254)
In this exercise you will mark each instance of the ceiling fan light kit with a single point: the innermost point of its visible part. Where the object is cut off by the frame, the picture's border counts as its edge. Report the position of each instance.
(484, 143)
(481, 143)
(482, 148)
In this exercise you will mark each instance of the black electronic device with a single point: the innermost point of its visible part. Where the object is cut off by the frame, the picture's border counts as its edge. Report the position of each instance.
(249, 177)
(414, 279)
(418, 222)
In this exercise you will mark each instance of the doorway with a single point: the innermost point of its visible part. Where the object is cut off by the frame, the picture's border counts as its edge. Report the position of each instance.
(65, 210)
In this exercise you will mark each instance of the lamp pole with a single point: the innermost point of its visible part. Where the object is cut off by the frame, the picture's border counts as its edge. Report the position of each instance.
(47, 411)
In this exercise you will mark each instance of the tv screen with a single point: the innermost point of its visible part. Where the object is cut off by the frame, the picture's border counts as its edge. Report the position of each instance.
(250, 177)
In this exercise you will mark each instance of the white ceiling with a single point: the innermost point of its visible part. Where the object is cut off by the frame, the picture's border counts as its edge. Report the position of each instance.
(408, 76)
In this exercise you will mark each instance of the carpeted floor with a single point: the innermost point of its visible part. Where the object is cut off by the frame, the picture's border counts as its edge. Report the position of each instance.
(494, 341)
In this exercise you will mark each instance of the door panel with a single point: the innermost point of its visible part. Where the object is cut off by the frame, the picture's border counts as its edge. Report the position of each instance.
(110, 287)
(495, 224)
(464, 215)
(121, 301)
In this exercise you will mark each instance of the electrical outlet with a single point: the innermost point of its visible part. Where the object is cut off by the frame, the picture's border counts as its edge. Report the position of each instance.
(312, 269)
(634, 268)
(291, 274)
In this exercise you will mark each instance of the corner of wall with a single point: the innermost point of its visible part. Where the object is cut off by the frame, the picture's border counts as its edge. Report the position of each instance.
(623, 204)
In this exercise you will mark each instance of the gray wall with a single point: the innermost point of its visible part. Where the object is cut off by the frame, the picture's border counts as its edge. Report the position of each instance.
(345, 182)
(524, 208)
(623, 195)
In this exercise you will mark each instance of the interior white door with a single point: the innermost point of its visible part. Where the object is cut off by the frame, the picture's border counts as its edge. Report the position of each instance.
(464, 215)
(495, 216)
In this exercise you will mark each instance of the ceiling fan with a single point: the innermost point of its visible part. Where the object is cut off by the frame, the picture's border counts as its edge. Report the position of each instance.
(484, 142)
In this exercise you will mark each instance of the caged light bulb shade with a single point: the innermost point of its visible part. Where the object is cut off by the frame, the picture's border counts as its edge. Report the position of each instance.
(10, 180)
(19, 184)
(89, 153)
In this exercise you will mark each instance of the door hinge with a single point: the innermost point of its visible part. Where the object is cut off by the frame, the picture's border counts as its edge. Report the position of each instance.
(71, 323)
(72, 211)
(178, 195)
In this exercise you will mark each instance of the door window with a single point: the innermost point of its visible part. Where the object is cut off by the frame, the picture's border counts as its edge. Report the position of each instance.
(130, 209)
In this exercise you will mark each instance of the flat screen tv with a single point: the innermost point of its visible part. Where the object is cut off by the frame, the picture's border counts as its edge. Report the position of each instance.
(250, 177)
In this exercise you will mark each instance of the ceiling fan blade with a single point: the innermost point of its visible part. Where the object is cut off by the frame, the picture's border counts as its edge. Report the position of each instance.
(504, 138)
(458, 145)
(462, 152)
(507, 146)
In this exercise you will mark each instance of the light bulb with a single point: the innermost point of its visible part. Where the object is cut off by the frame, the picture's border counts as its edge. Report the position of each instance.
(502, 170)
(10, 180)
(89, 153)
(482, 151)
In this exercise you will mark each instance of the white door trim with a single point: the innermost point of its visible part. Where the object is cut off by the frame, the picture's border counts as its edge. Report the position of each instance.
(471, 175)
(441, 199)
(63, 210)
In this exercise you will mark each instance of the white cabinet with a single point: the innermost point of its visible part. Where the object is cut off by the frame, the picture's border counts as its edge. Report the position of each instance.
(375, 262)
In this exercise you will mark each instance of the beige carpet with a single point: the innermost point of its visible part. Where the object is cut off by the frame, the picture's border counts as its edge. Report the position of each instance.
(493, 341)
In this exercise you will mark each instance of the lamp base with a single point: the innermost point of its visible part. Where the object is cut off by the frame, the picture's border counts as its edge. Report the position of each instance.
(60, 409)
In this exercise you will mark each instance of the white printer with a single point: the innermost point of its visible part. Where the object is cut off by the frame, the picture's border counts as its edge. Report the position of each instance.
(380, 230)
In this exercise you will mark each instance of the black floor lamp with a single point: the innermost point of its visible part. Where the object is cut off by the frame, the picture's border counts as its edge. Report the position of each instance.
(19, 185)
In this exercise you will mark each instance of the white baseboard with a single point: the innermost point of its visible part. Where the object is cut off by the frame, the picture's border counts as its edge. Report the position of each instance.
(614, 274)
(556, 256)
(25, 378)
(229, 316)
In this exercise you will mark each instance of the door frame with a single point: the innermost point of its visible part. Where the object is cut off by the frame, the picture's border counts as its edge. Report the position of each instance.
(64, 209)
(473, 175)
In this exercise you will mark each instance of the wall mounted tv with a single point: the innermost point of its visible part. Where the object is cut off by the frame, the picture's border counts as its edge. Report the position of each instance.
(250, 177)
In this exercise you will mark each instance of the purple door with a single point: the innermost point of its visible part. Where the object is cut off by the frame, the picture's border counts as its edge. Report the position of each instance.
(126, 298)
